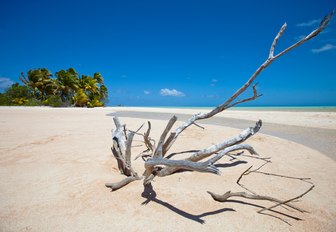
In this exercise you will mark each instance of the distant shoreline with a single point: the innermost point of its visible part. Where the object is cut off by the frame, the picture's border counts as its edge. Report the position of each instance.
(206, 108)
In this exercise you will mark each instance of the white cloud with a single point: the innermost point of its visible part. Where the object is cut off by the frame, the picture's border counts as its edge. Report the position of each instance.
(326, 47)
(309, 23)
(213, 82)
(5, 82)
(146, 92)
(171, 92)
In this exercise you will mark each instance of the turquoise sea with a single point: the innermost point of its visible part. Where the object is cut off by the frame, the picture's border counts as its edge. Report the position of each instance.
(263, 108)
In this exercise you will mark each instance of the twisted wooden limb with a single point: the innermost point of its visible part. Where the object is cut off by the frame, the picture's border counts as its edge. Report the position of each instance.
(229, 194)
(158, 153)
(122, 183)
(289, 200)
(148, 143)
(243, 136)
(159, 150)
(147, 139)
(121, 148)
(128, 151)
(202, 154)
(323, 24)
(206, 166)
(254, 196)
(120, 160)
(183, 164)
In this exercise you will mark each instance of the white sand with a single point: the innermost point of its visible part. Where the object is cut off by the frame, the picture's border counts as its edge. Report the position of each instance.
(54, 164)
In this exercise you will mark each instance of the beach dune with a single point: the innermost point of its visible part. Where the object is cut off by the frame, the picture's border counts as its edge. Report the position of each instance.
(54, 164)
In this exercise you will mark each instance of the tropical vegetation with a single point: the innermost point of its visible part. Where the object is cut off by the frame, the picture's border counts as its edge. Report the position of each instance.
(65, 88)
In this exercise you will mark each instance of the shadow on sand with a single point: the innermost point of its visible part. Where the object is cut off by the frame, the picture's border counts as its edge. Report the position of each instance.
(150, 196)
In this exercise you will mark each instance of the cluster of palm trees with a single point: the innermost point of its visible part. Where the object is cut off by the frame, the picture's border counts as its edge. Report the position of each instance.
(67, 86)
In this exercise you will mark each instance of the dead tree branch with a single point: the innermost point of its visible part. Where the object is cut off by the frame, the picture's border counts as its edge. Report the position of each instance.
(147, 139)
(158, 152)
(229, 194)
(157, 163)
(121, 148)
(122, 183)
(289, 200)
(254, 196)
(202, 154)
(180, 164)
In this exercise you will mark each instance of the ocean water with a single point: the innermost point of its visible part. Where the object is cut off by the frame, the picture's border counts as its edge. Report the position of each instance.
(290, 108)
(262, 108)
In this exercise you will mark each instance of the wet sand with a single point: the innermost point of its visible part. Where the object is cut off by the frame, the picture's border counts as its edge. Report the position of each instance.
(321, 139)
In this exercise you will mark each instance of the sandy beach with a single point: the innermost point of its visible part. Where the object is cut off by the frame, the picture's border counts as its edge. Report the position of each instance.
(54, 163)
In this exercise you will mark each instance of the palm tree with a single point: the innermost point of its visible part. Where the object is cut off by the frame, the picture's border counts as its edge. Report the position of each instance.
(40, 82)
(94, 89)
(30, 81)
(68, 87)
(67, 83)
(98, 77)
(103, 92)
(89, 84)
(80, 98)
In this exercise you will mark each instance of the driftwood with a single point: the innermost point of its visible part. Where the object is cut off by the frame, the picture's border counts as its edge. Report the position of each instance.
(156, 157)
(254, 196)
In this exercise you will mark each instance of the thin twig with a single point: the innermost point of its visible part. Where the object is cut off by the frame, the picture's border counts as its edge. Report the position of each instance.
(289, 200)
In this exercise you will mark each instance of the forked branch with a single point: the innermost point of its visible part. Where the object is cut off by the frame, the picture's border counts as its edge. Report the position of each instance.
(254, 196)
(232, 100)
(206, 166)
(207, 152)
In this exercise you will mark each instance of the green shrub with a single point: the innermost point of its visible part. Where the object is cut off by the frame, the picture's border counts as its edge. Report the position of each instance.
(33, 102)
(18, 91)
(54, 101)
(4, 100)
(15, 95)
(19, 101)
(95, 103)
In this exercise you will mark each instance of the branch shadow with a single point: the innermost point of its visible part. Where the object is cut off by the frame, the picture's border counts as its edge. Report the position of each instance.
(233, 164)
(151, 196)
(267, 214)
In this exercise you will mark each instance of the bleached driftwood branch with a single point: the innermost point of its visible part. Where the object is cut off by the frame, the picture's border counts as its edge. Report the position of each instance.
(205, 153)
(254, 196)
(122, 183)
(121, 150)
(157, 163)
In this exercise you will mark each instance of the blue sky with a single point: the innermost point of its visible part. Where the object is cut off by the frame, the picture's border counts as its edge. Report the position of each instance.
(174, 52)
